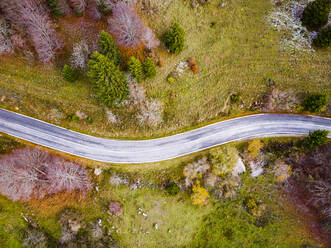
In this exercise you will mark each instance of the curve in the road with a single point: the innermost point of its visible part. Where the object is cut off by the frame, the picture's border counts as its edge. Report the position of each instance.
(155, 150)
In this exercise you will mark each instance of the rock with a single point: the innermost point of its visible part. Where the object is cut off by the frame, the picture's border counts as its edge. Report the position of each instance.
(111, 117)
(97, 171)
(115, 208)
(156, 226)
(3, 98)
(256, 167)
(239, 168)
(81, 115)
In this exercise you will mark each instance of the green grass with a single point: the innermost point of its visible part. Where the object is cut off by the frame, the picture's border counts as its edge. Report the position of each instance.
(234, 56)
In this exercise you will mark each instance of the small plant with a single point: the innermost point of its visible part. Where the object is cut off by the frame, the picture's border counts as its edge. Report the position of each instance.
(235, 98)
(315, 103)
(323, 39)
(108, 48)
(136, 69)
(174, 38)
(315, 139)
(149, 68)
(170, 80)
(69, 74)
(200, 195)
(172, 188)
(316, 14)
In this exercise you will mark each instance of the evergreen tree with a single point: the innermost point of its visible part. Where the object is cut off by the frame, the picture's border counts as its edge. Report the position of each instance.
(315, 103)
(69, 74)
(316, 14)
(149, 68)
(136, 69)
(108, 48)
(315, 139)
(174, 38)
(323, 39)
(109, 81)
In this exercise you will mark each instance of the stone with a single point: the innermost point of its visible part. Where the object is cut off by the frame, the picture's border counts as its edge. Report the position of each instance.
(115, 208)
(111, 117)
(256, 167)
(239, 168)
(97, 171)
(81, 115)
(3, 98)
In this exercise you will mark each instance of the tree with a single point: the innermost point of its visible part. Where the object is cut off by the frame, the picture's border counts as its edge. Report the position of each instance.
(5, 42)
(174, 38)
(80, 55)
(33, 17)
(32, 173)
(316, 14)
(109, 81)
(315, 139)
(78, 6)
(149, 68)
(315, 103)
(69, 74)
(127, 28)
(93, 11)
(59, 7)
(108, 48)
(323, 39)
(136, 69)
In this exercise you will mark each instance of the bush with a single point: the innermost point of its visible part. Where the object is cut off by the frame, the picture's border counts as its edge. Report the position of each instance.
(315, 103)
(172, 188)
(235, 98)
(109, 81)
(316, 14)
(323, 39)
(315, 139)
(69, 74)
(53, 6)
(108, 48)
(136, 69)
(174, 38)
(223, 159)
(200, 195)
(149, 68)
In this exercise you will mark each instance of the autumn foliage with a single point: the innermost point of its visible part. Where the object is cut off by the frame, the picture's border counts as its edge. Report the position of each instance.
(28, 173)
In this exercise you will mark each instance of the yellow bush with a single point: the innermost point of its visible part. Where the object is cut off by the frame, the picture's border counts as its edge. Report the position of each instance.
(254, 147)
(200, 195)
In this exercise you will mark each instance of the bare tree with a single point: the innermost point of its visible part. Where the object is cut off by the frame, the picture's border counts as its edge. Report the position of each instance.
(5, 42)
(78, 5)
(67, 176)
(80, 55)
(93, 10)
(33, 17)
(32, 173)
(63, 7)
(128, 29)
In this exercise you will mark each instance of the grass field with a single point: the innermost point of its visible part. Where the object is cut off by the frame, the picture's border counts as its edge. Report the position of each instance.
(235, 55)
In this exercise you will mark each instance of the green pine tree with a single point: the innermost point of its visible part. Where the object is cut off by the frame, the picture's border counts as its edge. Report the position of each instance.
(110, 84)
(149, 68)
(316, 14)
(323, 39)
(136, 69)
(174, 38)
(108, 48)
(69, 74)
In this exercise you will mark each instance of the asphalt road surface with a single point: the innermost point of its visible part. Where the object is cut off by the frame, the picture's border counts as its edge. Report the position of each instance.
(155, 150)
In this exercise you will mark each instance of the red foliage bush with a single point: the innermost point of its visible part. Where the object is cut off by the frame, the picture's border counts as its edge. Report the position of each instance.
(128, 30)
(33, 17)
(32, 173)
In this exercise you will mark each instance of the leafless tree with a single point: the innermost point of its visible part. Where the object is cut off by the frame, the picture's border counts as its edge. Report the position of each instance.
(33, 17)
(63, 7)
(5, 42)
(93, 10)
(80, 55)
(32, 173)
(128, 29)
(78, 5)
(67, 176)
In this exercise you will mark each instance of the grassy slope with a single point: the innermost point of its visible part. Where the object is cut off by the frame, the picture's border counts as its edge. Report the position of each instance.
(234, 56)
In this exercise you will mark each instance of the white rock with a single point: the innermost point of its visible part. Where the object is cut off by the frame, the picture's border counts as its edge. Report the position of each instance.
(97, 171)
(239, 167)
(257, 168)
(144, 214)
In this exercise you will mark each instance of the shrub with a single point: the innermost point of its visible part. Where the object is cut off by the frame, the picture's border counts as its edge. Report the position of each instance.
(315, 103)
(323, 39)
(235, 98)
(108, 48)
(200, 195)
(109, 81)
(78, 6)
(223, 159)
(254, 148)
(136, 69)
(316, 14)
(53, 6)
(315, 139)
(172, 188)
(170, 80)
(149, 68)
(174, 38)
(69, 74)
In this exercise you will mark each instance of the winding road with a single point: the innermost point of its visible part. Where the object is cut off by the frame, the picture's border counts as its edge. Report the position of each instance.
(155, 150)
